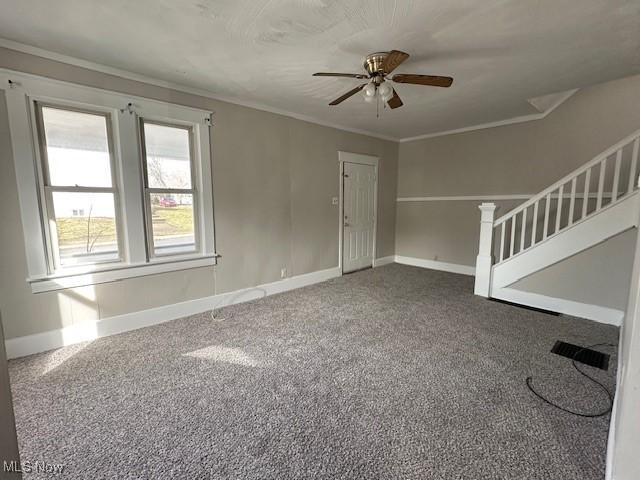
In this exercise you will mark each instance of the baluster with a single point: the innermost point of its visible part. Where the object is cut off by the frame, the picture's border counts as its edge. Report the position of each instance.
(585, 198)
(545, 229)
(502, 242)
(616, 177)
(634, 162)
(603, 167)
(559, 209)
(534, 223)
(513, 234)
(523, 228)
(572, 201)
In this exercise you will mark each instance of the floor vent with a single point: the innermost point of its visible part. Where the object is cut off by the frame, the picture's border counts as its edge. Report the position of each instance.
(587, 356)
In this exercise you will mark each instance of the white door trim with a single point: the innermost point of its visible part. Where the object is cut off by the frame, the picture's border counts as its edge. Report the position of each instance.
(360, 158)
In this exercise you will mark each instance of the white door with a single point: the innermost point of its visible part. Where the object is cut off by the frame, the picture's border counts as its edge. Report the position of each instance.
(359, 184)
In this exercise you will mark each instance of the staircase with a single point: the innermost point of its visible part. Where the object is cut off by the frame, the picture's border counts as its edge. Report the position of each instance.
(590, 205)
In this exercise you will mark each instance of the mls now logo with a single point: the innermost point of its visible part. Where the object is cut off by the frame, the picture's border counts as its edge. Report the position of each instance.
(31, 467)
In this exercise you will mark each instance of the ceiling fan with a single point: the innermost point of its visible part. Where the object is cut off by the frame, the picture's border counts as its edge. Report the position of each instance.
(378, 67)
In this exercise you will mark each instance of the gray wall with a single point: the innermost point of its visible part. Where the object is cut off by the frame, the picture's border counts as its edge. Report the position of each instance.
(514, 159)
(599, 275)
(273, 179)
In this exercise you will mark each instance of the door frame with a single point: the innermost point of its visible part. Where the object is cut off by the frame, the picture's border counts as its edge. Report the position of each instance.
(349, 157)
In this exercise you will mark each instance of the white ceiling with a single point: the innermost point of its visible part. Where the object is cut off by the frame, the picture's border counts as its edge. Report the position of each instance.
(500, 52)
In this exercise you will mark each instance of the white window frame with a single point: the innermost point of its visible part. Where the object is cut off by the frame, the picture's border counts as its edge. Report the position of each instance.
(22, 91)
(47, 189)
(148, 191)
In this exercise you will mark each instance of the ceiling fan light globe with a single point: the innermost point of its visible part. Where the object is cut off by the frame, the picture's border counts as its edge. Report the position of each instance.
(385, 90)
(388, 96)
(369, 90)
(369, 99)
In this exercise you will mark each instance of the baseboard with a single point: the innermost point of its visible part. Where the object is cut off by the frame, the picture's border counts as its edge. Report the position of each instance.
(90, 330)
(607, 315)
(378, 262)
(436, 265)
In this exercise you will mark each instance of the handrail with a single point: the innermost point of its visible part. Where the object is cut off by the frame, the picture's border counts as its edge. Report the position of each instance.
(579, 171)
(534, 222)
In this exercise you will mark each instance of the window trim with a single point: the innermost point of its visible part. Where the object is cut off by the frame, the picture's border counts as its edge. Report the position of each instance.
(47, 189)
(148, 191)
(21, 91)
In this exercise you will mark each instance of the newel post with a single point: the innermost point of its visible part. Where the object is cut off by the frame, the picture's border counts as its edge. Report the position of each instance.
(484, 261)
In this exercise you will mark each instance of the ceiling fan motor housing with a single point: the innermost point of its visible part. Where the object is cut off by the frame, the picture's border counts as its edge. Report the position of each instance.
(373, 64)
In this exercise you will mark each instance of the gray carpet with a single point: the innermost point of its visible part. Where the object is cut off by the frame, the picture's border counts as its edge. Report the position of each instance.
(392, 373)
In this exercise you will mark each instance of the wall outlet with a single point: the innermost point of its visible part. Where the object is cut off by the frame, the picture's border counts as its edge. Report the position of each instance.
(283, 272)
(334, 200)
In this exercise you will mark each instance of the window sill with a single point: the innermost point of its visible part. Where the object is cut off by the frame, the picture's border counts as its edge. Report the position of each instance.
(60, 281)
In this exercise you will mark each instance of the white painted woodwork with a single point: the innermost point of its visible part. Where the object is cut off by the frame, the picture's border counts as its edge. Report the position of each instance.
(616, 177)
(483, 198)
(557, 192)
(484, 259)
(502, 242)
(603, 170)
(435, 265)
(559, 209)
(42, 273)
(624, 431)
(584, 168)
(597, 313)
(90, 330)
(512, 240)
(522, 229)
(585, 201)
(609, 221)
(634, 164)
(559, 242)
(572, 201)
(359, 184)
(534, 224)
(547, 206)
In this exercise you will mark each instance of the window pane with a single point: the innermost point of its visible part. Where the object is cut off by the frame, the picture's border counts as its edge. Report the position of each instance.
(77, 148)
(168, 156)
(86, 227)
(172, 223)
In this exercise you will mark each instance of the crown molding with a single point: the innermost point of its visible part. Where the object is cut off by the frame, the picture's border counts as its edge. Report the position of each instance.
(78, 62)
(499, 123)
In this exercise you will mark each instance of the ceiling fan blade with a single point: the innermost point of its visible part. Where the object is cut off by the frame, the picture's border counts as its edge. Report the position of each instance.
(395, 102)
(347, 75)
(432, 80)
(393, 60)
(348, 94)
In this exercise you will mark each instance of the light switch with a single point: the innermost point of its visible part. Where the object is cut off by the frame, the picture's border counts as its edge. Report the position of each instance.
(334, 201)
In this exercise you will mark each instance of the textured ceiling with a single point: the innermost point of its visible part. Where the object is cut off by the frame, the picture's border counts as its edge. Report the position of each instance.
(500, 52)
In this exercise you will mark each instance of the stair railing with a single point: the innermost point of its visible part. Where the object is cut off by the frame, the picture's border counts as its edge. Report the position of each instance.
(605, 180)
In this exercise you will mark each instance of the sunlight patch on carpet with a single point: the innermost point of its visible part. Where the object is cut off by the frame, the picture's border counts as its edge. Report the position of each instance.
(223, 354)
(52, 360)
